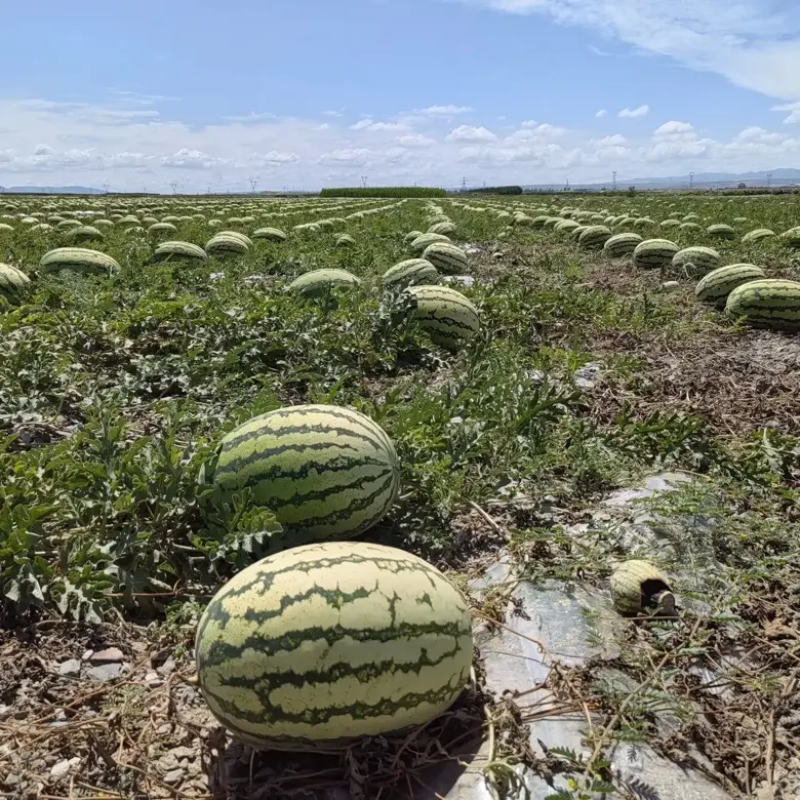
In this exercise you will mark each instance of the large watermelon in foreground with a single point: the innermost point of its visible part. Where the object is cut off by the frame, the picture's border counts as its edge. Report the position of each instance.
(325, 471)
(768, 303)
(328, 642)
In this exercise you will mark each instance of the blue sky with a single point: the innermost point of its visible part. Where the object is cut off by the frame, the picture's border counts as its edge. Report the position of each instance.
(306, 93)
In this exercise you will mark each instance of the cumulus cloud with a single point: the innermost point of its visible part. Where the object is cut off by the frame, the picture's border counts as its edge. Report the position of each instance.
(371, 125)
(468, 133)
(674, 129)
(447, 111)
(634, 113)
(416, 140)
(41, 139)
(601, 113)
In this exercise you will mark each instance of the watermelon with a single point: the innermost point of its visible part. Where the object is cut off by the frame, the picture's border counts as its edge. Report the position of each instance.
(345, 240)
(14, 284)
(654, 253)
(409, 237)
(419, 244)
(180, 251)
(270, 234)
(444, 228)
(79, 259)
(325, 471)
(715, 287)
(621, 244)
(319, 281)
(162, 227)
(222, 245)
(671, 223)
(791, 238)
(696, 261)
(566, 225)
(721, 231)
(767, 303)
(759, 234)
(412, 272)
(447, 315)
(447, 257)
(322, 644)
(594, 237)
(85, 233)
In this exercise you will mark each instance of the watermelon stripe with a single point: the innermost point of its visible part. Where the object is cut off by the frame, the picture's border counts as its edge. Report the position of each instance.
(356, 710)
(260, 427)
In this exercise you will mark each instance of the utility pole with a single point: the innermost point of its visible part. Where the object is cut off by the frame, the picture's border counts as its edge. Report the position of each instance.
(769, 180)
(691, 181)
(174, 187)
(463, 184)
(253, 184)
(364, 181)
(614, 180)
(106, 187)
(566, 187)
(208, 189)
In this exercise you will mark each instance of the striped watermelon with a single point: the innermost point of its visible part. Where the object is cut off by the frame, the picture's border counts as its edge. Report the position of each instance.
(447, 257)
(575, 233)
(409, 237)
(223, 245)
(159, 228)
(643, 222)
(715, 287)
(622, 244)
(85, 233)
(325, 471)
(6, 228)
(345, 240)
(412, 272)
(566, 225)
(14, 284)
(325, 643)
(594, 237)
(721, 231)
(419, 244)
(695, 262)
(767, 303)
(270, 234)
(791, 238)
(671, 223)
(654, 253)
(320, 281)
(444, 228)
(447, 315)
(78, 259)
(179, 251)
(759, 234)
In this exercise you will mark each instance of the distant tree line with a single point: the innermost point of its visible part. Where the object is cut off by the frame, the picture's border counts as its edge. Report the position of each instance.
(495, 190)
(384, 191)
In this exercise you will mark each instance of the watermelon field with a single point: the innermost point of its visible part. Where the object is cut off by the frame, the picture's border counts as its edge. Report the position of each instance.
(449, 425)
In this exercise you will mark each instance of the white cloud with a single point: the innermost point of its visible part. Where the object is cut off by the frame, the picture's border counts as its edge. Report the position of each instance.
(51, 143)
(370, 125)
(793, 109)
(468, 133)
(191, 159)
(612, 141)
(447, 111)
(528, 123)
(416, 140)
(356, 157)
(601, 113)
(252, 117)
(634, 113)
(755, 44)
(674, 129)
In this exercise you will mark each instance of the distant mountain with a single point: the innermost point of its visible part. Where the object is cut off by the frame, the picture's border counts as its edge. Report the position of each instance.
(51, 190)
(783, 176)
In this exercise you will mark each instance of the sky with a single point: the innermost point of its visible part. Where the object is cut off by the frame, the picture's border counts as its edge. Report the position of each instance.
(193, 95)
